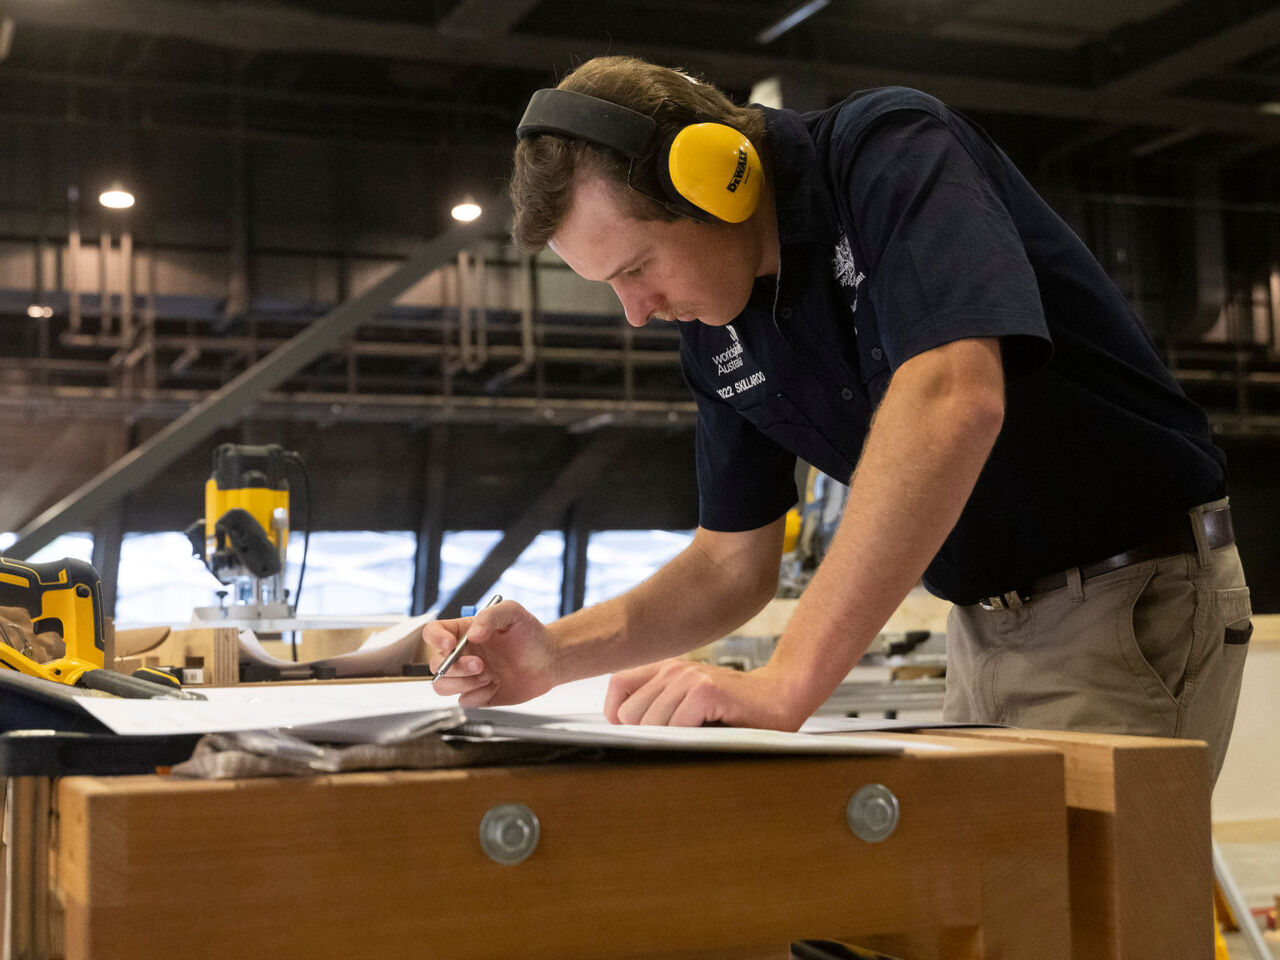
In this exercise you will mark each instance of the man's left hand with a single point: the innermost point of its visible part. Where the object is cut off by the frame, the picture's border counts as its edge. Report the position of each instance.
(682, 693)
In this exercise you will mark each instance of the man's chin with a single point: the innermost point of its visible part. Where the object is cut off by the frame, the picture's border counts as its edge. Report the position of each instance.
(707, 320)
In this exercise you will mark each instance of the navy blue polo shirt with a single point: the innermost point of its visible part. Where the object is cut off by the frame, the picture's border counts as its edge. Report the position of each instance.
(903, 228)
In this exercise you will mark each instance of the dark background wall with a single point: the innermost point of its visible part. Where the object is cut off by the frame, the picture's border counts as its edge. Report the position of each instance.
(284, 155)
(367, 477)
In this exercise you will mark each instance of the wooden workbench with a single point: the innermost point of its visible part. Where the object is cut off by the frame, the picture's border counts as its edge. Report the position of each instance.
(658, 857)
(638, 857)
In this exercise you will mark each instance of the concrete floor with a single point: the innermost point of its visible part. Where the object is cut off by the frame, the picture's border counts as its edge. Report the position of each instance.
(1238, 948)
(1255, 866)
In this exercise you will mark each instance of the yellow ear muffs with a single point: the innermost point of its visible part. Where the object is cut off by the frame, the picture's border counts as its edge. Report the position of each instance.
(716, 169)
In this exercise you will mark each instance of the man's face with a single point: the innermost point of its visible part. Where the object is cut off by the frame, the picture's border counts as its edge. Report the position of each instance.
(677, 270)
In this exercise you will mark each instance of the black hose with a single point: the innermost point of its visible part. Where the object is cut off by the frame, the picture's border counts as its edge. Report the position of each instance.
(306, 531)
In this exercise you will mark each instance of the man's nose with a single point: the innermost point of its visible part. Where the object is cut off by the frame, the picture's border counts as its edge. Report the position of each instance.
(638, 309)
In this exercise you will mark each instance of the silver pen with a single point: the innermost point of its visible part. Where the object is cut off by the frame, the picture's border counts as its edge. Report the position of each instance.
(447, 662)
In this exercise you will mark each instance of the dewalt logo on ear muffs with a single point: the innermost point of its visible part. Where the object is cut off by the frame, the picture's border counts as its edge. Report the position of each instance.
(708, 171)
(715, 168)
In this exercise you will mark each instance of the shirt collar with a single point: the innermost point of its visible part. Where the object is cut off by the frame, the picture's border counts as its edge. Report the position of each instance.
(805, 207)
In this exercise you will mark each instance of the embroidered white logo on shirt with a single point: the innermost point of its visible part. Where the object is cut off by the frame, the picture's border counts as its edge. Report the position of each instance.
(846, 271)
(730, 360)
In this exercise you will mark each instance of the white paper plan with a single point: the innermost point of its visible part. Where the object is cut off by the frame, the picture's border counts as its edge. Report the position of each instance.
(266, 706)
(571, 713)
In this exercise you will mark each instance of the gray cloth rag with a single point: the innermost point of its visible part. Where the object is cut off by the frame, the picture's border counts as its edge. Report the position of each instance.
(229, 756)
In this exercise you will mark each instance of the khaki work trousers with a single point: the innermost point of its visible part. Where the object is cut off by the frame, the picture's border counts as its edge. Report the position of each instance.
(1155, 649)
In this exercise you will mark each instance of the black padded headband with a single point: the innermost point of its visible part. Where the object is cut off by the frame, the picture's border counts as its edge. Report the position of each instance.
(587, 118)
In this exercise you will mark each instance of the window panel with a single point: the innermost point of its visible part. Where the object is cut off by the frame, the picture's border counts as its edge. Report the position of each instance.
(619, 559)
(349, 573)
(160, 581)
(79, 546)
(353, 572)
(533, 580)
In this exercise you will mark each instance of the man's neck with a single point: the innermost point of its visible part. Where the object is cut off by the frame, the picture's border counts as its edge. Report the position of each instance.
(765, 220)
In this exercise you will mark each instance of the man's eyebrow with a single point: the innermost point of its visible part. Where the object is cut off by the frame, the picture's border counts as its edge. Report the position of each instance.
(622, 269)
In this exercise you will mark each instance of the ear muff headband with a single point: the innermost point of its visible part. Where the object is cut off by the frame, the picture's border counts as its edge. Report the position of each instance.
(709, 171)
(581, 117)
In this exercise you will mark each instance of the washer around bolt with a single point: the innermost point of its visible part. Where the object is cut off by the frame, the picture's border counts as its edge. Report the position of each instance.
(872, 813)
(509, 832)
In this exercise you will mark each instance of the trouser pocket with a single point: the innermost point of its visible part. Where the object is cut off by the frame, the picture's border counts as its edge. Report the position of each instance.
(1162, 632)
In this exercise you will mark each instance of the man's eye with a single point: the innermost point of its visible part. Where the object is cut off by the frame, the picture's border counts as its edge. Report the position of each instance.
(635, 271)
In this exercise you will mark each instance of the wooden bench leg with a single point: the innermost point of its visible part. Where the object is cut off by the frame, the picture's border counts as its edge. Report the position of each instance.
(1141, 870)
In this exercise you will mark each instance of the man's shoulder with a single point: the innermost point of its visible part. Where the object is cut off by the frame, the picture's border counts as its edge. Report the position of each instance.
(847, 120)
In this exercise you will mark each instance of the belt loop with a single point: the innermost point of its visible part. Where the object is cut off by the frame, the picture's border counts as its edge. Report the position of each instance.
(1075, 585)
(1204, 553)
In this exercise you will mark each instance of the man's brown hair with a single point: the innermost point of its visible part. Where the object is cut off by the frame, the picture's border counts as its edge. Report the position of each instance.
(545, 165)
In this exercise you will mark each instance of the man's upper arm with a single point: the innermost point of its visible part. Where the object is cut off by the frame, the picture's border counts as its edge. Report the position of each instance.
(747, 554)
(968, 370)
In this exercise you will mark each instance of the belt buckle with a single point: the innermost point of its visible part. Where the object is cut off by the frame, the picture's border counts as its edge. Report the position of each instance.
(1004, 601)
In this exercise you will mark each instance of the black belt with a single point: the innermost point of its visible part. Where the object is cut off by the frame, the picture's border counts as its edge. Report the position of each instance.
(1181, 539)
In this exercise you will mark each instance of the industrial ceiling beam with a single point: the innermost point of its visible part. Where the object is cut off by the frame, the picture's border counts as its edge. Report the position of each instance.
(484, 18)
(247, 26)
(1227, 47)
(431, 491)
(64, 403)
(108, 531)
(139, 466)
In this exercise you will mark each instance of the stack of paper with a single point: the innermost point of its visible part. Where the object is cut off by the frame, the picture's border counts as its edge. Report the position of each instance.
(351, 712)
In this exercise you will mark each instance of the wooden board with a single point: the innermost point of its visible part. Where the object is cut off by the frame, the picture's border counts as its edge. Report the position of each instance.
(638, 858)
(1141, 860)
(217, 649)
(137, 641)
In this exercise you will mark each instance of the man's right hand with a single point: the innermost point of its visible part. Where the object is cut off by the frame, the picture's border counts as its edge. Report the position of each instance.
(510, 656)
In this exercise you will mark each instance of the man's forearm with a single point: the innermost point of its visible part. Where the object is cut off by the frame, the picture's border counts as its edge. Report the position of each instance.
(693, 599)
(921, 459)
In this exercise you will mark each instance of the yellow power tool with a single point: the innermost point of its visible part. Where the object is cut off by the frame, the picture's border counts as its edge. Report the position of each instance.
(66, 597)
(244, 534)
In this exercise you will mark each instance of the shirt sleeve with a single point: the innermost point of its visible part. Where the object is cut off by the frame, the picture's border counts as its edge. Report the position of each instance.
(945, 259)
(745, 480)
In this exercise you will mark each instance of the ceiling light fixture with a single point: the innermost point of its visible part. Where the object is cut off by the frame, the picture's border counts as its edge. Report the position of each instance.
(116, 197)
(467, 210)
(796, 17)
